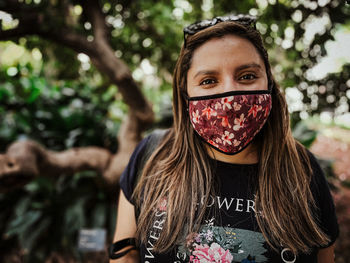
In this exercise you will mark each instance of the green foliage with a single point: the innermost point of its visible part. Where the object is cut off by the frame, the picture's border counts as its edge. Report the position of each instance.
(58, 114)
(48, 213)
(303, 134)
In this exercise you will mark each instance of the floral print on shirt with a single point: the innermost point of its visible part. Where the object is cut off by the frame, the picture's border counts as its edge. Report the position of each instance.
(223, 245)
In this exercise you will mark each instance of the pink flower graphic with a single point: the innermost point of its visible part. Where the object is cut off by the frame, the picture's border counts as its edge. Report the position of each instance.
(209, 235)
(226, 102)
(266, 110)
(195, 116)
(236, 143)
(244, 99)
(208, 112)
(194, 260)
(218, 105)
(236, 106)
(224, 121)
(261, 98)
(254, 110)
(214, 253)
(239, 122)
(218, 140)
(213, 143)
(244, 135)
(226, 138)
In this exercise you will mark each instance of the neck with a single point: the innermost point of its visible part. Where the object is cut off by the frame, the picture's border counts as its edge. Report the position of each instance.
(247, 156)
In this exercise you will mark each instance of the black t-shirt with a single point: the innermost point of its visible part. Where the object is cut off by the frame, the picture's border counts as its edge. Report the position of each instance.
(231, 234)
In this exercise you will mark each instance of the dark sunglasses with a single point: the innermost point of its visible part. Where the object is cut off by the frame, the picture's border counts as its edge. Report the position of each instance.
(245, 20)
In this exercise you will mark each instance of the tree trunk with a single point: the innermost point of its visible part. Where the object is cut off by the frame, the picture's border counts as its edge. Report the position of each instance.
(25, 160)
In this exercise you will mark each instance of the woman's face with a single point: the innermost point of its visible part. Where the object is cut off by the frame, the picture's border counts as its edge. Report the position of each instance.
(226, 64)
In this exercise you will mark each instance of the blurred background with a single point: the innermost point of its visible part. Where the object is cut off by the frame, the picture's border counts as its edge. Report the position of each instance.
(81, 82)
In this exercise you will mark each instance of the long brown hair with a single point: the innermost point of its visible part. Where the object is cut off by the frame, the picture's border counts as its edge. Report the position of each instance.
(181, 171)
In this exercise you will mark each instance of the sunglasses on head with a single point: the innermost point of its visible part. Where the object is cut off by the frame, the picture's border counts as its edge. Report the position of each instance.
(192, 29)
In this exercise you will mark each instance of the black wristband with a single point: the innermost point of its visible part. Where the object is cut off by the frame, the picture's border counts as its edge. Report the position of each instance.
(119, 245)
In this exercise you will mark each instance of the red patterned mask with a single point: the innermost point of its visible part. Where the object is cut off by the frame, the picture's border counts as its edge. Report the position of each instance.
(229, 121)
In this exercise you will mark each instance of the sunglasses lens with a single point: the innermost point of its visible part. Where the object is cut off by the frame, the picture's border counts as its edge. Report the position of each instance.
(200, 25)
(196, 27)
(205, 23)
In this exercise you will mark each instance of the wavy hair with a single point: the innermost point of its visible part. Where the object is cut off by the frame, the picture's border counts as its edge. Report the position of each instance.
(181, 170)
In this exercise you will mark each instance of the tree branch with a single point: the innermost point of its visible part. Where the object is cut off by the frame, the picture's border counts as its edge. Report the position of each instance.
(115, 68)
(92, 10)
(119, 73)
(25, 160)
(128, 137)
(69, 38)
(32, 25)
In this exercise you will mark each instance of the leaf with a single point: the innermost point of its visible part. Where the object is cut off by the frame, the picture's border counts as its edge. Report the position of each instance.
(303, 134)
(74, 217)
(22, 223)
(99, 215)
(26, 83)
(36, 88)
(29, 237)
(40, 185)
(22, 206)
(110, 93)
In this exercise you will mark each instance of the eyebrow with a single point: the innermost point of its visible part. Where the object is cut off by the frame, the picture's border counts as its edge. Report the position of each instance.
(250, 65)
(206, 72)
(241, 67)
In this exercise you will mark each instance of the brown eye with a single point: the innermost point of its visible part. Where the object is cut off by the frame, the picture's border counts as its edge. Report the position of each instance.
(207, 82)
(248, 77)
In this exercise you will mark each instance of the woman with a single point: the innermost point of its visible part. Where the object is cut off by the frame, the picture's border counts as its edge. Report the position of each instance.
(228, 182)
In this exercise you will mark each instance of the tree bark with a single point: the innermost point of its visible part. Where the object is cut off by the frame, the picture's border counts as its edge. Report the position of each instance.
(25, 160)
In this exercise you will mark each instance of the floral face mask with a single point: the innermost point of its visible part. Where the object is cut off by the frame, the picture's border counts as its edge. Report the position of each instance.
(229, 121)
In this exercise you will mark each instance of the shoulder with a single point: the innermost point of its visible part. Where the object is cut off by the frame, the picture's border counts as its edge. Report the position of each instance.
(321, 192)
(311, 163)
(140, 154)
(319, 181)
(129, 176)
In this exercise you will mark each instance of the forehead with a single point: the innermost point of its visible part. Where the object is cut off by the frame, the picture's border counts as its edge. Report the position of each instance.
(228, 50)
